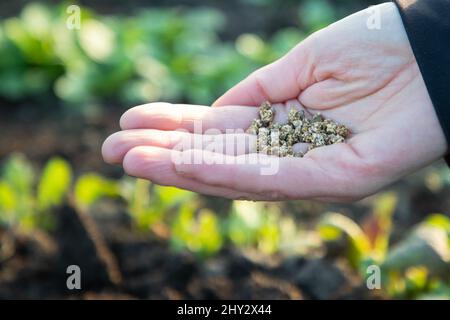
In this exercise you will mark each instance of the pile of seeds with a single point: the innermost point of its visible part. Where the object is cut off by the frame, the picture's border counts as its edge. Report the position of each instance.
(279, 139)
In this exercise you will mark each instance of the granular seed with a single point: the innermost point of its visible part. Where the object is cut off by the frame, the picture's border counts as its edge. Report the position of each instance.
(278, 139)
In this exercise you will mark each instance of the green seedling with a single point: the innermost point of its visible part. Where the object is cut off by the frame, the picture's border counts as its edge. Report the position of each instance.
(253, 224)
(91, 187)
(365, 244)
(149, 204)
(200, 233)
(24, 205)
(418, 262)
(414, 267)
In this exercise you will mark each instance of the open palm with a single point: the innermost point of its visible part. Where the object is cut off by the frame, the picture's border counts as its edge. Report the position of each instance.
(366, 79)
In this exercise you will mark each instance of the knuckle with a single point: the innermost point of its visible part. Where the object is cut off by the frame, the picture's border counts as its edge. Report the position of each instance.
(261, 86)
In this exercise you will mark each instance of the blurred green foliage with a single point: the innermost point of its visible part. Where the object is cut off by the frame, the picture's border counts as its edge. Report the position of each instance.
(91, 187)
(255, 224)
(417, 266)
(414, 267)
(199, 232)
(364, 244)
(54, 184)
(157, 54)
(25, 205)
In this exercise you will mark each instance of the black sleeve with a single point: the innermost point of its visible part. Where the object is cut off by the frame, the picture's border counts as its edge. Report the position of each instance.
(427, 24)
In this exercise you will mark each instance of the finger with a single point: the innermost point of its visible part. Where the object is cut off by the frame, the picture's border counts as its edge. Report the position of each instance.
(165, 116)
(155, 164)
(331, 93)
(117, 145)
(282, 80)
(271, 177)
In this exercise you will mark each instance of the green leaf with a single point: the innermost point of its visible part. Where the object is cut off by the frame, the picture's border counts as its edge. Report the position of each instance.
(137, 193)
(19, 174)
(209, 235)
(36, 18)
(254, 224)
(171, 196)
(316, 14)
(91, 187)
(284, 40)
(200, 234)
(54, 184)
(8, 203)
(98, 40)
(439, 221)
(269, 237)
(334, 225)
(381, 224)
(440, 292)
(205, 19)
(426, 246)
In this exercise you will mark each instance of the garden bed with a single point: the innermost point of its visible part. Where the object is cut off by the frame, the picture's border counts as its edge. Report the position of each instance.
(142, 266)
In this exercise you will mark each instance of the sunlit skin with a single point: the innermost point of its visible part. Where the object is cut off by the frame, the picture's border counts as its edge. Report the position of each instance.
(366, 79)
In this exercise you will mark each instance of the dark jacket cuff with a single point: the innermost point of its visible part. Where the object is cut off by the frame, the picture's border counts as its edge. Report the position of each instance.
(427, 25)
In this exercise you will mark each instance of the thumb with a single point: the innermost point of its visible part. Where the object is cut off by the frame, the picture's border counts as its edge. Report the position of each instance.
(277, 82)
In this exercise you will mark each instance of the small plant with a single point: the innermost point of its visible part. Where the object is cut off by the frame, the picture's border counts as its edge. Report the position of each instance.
(419, 264)
(91, 187)
(200, 233)
(254, 225)
(25, 205)
(415, 267)
(149, 204)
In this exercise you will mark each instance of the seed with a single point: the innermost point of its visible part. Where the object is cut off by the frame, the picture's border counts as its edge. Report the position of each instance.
(266, 113)
(316, 127)
(254, 128)
(285, 151)
(342, 130)
(318, 139)
(334, 138)
(330, 127)
(297, 123)
(275, 138)
(278, 139)
(286, 131)
(317, 117)
(293, 115)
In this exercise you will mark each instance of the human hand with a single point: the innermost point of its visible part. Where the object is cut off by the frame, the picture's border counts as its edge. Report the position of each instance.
(366, 79)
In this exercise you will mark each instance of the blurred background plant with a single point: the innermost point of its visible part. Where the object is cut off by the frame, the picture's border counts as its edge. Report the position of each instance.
(156, 54)
(62, 91)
